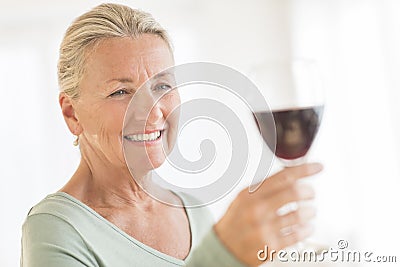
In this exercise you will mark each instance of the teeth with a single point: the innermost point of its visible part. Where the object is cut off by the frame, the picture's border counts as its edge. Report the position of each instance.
(144, 137)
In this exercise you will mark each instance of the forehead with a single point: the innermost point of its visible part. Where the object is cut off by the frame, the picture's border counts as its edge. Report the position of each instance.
(127, 57)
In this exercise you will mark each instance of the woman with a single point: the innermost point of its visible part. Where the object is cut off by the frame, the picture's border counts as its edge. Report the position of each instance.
(101, 217)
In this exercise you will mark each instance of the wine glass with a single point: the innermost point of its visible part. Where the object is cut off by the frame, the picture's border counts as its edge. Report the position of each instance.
(294, 92)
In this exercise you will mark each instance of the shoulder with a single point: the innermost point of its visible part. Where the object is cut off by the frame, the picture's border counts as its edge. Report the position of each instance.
(58, 207)
(42, 229)
(61, 210)
(49, 237)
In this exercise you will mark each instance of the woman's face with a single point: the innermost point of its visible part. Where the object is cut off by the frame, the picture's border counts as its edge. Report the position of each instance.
(114, 72)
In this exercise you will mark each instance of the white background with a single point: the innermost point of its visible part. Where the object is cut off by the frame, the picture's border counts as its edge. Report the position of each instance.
(356, 42)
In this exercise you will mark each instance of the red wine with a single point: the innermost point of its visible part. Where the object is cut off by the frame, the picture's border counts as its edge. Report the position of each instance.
(295, 130)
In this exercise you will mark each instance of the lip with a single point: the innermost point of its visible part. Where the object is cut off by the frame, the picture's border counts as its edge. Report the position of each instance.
(148, 131)
(146, 143)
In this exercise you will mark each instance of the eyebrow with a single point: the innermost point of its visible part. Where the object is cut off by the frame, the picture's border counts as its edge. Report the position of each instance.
(122, 80)
(129, 80)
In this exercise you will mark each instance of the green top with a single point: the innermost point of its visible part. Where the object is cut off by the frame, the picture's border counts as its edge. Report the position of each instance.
(62, 231)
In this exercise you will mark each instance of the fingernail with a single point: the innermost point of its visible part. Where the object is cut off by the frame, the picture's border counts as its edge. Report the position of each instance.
(316, 167)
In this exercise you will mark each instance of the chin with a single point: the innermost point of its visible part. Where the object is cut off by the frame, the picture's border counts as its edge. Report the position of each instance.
(143, 159)
(156, 161)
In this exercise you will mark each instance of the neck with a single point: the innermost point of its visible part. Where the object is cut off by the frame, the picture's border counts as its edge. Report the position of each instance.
(100, 183)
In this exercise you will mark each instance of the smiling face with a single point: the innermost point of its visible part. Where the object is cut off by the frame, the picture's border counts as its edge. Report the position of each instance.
(115, 71)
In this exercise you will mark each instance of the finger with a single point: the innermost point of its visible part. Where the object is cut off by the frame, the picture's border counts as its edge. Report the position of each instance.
(300, 216)
(298, 233)
(293, 193)
(287, 177)
(269, 208)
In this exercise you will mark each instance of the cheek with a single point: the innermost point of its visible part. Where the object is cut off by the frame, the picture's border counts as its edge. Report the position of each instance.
(104, 120)
(115, 118)
(110, 122)
(171, 105)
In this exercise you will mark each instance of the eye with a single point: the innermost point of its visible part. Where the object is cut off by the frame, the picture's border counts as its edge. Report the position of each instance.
(162, 87)
(119, 92)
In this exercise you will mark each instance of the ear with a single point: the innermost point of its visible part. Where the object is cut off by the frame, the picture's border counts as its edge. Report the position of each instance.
(69, 114)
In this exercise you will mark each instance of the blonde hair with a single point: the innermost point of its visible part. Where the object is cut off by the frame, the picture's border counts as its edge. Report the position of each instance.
(103, 21)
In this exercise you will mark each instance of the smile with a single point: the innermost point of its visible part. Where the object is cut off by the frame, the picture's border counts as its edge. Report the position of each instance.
(144, 137)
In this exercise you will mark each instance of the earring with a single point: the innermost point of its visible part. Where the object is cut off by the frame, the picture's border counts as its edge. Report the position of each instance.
(76, 142)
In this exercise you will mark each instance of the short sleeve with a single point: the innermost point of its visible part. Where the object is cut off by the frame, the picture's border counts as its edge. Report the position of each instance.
(50, 241)
(211, 252)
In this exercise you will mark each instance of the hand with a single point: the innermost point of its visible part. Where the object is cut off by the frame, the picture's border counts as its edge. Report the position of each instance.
(251, 221)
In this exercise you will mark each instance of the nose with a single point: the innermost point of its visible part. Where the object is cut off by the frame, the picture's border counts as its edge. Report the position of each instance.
(144, 108)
